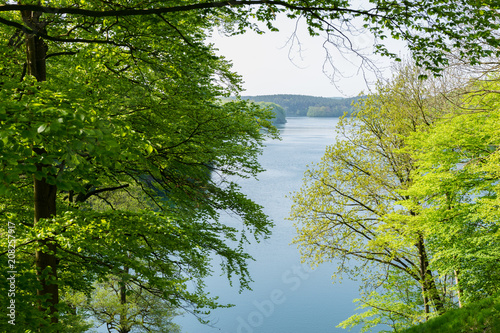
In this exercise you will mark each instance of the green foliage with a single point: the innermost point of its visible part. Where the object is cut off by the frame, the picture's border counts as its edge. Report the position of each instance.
(397, 304)
(432, 29)
(456, 191)
(97, 97)
(324, 111)
(349, 209)
(479, 317)
(278, 112)
(142, 112)
(139, 312)
(413, 179)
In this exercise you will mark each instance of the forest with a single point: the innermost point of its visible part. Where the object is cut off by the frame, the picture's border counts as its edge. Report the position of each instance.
(118, 157)
(310, 106)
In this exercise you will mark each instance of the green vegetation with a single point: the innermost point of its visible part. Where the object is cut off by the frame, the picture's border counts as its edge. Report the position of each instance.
(479, 317)
(310, 106)
(123, 308)
(328, 111)
(122, 98)
(85, 117)
(407, 199)
(279, 114)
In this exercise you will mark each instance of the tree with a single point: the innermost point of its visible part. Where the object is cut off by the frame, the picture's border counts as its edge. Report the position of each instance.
(106, 118)
(137, 311)
(81, 81)
(278, 112)
(455, 191)
(349, 210)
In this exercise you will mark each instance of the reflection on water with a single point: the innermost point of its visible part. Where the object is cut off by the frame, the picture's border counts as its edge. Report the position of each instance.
(287, 297)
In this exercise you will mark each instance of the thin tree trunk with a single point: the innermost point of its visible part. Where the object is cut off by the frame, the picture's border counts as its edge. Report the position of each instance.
(428, 284)
(44, 193)
(426, 302)
(124, 325)
(459, 290)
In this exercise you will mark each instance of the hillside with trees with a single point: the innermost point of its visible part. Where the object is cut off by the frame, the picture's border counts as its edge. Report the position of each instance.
(310, 106)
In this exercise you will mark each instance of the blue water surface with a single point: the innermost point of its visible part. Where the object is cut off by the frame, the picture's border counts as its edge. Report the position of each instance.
(287, 297)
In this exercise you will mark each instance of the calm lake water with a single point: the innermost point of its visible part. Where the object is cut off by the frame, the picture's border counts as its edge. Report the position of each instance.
(287, 297)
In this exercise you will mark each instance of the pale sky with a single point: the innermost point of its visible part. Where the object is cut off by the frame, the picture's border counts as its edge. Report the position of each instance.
(270, 66)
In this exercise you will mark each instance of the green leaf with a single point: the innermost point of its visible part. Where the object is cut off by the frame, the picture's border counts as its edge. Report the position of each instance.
(44, 127)
(149, 149)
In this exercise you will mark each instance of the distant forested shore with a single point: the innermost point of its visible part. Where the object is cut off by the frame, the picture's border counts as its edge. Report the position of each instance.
(310, 106)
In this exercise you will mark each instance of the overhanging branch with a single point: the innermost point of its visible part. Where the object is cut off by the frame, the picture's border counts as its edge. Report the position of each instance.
(59, 54)
(84, 197)
(29, 31)
(195, 6)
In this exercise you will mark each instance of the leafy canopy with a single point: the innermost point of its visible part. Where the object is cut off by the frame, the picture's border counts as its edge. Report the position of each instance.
(456, 190)
(110, 117)
(349, 210)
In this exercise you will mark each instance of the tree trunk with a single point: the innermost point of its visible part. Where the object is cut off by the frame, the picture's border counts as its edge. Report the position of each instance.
(430, 291)
(124, 325)
(459, 289)
(45, 257)
(44, 193)
(426, 302)
(36, 49)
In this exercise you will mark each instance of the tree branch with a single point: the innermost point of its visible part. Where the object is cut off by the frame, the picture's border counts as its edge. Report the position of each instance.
(59, 54)
(185, 8)
(82, 198)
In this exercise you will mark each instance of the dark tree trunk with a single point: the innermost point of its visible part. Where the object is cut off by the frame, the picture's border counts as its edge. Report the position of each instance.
(36, 49)
(45, 257)
(44, 193)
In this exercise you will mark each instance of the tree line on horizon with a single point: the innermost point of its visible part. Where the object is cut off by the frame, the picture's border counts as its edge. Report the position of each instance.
(309, 106)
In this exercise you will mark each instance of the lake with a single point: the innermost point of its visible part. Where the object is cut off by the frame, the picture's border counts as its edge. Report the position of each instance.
(287, 297)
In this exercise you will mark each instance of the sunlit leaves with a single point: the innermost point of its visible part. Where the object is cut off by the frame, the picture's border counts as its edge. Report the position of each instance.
(141, 311)
(456, 185)
(139, 112)
(349, 209)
